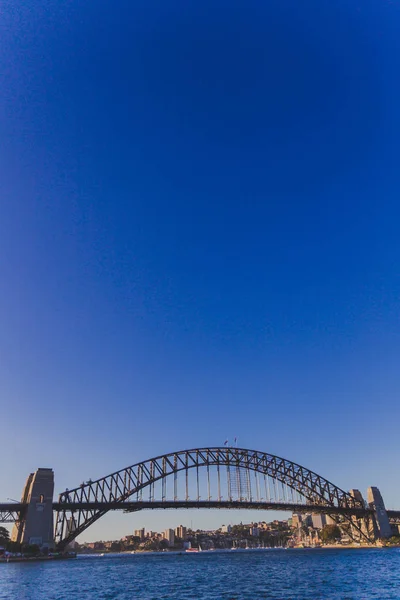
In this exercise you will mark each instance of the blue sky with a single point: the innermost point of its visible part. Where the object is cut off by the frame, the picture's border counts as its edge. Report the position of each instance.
(199, 238)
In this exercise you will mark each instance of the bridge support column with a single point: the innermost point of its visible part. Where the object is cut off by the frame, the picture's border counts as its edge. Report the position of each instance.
(36, 527)
(382, 526)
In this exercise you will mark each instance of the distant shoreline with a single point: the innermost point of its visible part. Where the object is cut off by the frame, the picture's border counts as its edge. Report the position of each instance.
(24, 559)
(14, 559)
(231, 551)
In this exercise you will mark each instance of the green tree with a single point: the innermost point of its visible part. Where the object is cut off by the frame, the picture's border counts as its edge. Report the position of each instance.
(13, 547)
(115, 547)
(330, 533)
(151, 545)
(4, 536)
(305, 529)
(239, 531)
(395, 540)
(32, 549)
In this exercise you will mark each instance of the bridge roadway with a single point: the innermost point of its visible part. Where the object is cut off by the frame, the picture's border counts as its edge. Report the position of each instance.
(9, 512)
(198, 504)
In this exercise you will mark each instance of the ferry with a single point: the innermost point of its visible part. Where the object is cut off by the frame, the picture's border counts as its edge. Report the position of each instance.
(191, 550)
(195, 550)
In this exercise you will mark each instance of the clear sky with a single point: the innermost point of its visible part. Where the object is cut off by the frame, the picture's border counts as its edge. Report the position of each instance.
(199, 237)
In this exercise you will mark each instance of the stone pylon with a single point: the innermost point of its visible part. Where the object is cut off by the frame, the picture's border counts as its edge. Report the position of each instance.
(382, 527)
(36, 525)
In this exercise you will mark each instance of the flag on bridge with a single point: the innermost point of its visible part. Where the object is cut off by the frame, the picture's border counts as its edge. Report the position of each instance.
(226, 442)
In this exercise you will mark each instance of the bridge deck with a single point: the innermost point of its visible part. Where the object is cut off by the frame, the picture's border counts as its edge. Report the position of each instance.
(198, 504)
(10, 512)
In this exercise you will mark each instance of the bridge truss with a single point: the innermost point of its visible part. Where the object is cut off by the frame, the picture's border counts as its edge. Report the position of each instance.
(205, 477)
(9, 513)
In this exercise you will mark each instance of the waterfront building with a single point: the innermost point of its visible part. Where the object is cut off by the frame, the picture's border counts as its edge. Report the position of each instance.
(95, 545)
(151, 534)
(254, 530)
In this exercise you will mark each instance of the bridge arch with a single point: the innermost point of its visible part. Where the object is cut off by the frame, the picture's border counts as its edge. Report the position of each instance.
(118, 487)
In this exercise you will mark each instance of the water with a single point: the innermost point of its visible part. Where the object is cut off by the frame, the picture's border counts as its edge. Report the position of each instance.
(279, 575)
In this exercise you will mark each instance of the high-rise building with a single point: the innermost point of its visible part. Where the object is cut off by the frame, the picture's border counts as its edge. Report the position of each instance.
(169, 535)
(150, 534)
(297, 520)
(318, 521)
(140, 533)
(180, 532)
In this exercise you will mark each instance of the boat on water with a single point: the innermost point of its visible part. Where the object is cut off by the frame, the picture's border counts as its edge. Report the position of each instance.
(196, 550)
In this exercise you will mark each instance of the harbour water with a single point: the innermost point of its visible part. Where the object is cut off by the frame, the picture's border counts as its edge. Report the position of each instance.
(361, 574)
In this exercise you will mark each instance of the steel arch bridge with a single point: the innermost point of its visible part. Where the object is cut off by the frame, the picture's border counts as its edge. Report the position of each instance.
(206, 478)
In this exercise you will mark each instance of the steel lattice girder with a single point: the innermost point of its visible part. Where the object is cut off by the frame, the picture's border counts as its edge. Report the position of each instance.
(9, 515)
(119, 486)
(11, 512)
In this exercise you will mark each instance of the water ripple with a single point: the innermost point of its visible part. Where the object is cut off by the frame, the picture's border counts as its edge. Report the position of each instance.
(273, 575)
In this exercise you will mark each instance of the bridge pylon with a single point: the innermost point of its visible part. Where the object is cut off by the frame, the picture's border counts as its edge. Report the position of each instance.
(36, 524)
(382, 527)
